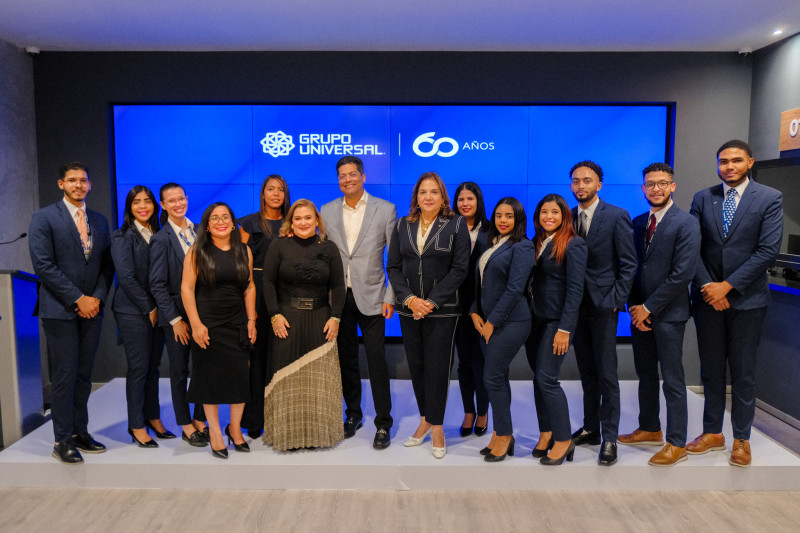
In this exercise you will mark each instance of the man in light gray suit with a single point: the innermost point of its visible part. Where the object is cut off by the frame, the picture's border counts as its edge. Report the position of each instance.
(361, 225)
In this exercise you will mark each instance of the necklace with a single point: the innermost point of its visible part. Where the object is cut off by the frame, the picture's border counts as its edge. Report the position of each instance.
(425, 225)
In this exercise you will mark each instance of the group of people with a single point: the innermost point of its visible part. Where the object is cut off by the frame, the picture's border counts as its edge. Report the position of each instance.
(267, 307)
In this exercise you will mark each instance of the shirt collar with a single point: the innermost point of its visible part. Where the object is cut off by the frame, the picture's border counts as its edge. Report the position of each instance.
(661, 212)
(178, 228)
(73, 208)
(739, 188)
(141, 228)
(361, 202)
(589, 210)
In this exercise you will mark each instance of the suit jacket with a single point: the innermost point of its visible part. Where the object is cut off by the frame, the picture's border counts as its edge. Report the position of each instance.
(367, 274)
(166, 273)
(611, 262)
(468, 289)
(434, 273)
(131, 254)
(666, 268)
(558, 287)
(500, 293)
(57, 257)
(753, 241)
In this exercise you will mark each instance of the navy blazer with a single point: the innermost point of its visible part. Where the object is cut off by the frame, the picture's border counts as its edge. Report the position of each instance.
(666, 268)
(501, 290)
(754, 239)
(434, 273)
(611, 263)
(558, 287)
(131, 255)
(57, 257)
(166, 273)
(467, 291)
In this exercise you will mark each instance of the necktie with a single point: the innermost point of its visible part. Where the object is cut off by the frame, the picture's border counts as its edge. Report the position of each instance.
(583, 223)
(83, 229)
(728, 209)
(651, 229)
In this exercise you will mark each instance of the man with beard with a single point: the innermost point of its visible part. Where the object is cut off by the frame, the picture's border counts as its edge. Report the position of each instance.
(610, 269)
(667, 244)
(741, 225)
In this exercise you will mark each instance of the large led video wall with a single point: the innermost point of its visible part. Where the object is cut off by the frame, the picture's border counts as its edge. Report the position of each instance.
(223, 152)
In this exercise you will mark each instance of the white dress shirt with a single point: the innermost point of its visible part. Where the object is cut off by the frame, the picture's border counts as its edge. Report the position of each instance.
(352, 219)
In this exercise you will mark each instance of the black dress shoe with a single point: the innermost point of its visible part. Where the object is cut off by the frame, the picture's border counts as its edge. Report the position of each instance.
(86, 443)
(543, 453)
(608, 454)
(485, 451)
(465, 432)
(243, 447)
(351, 425)
(491, 458)
(165, 435)
(586, 437)
(146, 444)
(220, 454)
(382, 439)
(66, 453)
(206, 435)
(480, 431)
(196, 439)
(568, 455)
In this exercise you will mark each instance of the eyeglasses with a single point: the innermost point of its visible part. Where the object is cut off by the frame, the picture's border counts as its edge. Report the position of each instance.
(650, 185)
(220, 218)
(585, 181)
(175, 201)
(353, 175)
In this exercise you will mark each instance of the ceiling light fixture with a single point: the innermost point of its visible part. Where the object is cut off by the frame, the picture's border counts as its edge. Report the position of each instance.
(777, 32)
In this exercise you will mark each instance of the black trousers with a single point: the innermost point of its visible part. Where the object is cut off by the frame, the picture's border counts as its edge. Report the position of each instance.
(470, 368)
(179, 379)
(429, 350)
(373, 335)
(144, 345)
(253, 416)
(72, 346)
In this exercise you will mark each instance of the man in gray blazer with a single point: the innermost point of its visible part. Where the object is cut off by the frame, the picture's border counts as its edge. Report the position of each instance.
(361, 225)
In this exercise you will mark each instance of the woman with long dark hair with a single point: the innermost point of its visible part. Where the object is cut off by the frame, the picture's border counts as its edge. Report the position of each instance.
(557, 291)
(304, 291)
(468, 202)
(220, 301)
(258, 230)
(136, 314)
(500, 313)
(428, 260)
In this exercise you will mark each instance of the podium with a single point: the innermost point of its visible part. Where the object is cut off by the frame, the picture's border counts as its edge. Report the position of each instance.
(21, 396)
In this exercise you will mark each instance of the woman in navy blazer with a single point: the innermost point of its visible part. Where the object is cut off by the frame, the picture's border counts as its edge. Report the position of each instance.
(468, 202)
(136, 313)
(557, 290)
(500, 313)
(428, 258)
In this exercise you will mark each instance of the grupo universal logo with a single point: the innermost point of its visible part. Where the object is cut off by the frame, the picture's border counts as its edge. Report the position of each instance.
(426, 145)
(279, 143)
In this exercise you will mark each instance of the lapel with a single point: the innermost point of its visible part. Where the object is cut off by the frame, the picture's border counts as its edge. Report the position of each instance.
(661, 228)
(716, 209)
(337, 222)
(70, 224)
(503, 248)
(435, 229)
(744, 205)
(597, 220)
(175, 242)
(369, 214)
(411, 229)
(545, 255)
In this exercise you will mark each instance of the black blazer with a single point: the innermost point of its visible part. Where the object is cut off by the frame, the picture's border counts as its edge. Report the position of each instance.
(131, 255)
(466, 292)
(558, 288)
(166, 273)
(434, 273)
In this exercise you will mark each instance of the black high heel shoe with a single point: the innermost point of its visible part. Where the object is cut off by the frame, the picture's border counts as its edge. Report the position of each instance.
(555, 462)
(467, 431)
(166, 435)
(148, 444)
(243, 447)
(543, 453)
(481, 430)
(491, 458)
(221, 454)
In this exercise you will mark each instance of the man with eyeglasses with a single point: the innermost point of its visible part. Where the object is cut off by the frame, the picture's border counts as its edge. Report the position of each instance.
(610, 267)
(361, 225)
(741, 225)
(71, 254)
(667, 242)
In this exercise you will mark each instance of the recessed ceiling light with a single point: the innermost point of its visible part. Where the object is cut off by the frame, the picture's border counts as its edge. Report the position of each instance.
(777, 32)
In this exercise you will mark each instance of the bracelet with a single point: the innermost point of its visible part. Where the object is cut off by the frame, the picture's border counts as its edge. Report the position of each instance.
(251, 319)
(274, 318)
(335, 319)
(410, 299)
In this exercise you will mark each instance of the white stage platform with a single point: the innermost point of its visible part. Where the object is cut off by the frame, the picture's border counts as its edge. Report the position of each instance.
(354, 464)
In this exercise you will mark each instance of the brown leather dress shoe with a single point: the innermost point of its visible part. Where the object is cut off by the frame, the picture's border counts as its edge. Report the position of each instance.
(642, 438)
(706, 442)
(740, 455)
(668, 456)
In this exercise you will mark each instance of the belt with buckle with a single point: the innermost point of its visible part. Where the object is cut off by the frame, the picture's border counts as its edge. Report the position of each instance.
(306, 304)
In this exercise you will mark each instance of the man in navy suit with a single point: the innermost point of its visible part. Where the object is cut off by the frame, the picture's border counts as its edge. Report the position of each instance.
(742, 224)
(69, 246)
(610, 268)
(667, 244)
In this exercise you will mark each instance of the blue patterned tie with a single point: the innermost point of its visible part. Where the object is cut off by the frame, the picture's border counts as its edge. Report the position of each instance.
(728, 209)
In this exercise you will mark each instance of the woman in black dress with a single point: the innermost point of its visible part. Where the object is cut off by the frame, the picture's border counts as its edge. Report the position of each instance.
(258, 230)
(220, 301)
(468, 203)
(304, 292)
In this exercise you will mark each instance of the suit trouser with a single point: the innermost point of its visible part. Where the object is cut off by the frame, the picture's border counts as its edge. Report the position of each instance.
(662, 346)
(72, 346)
(179, 379)
(373, 334)
(728, 339)
(429, 350)
(469, 345)
(595, 342)
(253, 414)
(552, 409)
(144, 345)
(503, 345)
